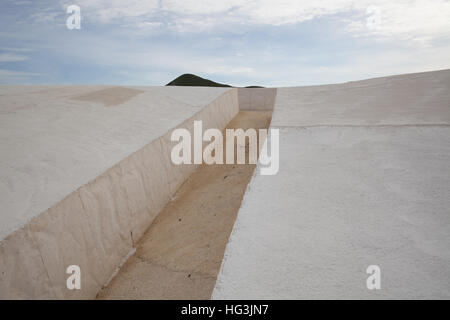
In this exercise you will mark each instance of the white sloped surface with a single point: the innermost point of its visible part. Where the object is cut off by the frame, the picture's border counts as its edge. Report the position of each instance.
(364, 180)
(51, 144)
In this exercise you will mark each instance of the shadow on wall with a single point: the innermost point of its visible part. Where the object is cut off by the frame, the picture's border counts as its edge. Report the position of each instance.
(256, 98)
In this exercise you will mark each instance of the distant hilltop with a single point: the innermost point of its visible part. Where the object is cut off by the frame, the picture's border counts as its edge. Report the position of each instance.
(191, 80)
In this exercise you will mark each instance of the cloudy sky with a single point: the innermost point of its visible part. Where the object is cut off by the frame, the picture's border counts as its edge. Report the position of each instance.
(255, 42)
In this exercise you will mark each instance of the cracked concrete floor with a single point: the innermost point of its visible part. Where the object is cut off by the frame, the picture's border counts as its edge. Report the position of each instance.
(180, 255)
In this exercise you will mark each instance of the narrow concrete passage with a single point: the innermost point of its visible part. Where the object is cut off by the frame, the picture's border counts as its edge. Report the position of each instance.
(180, 255)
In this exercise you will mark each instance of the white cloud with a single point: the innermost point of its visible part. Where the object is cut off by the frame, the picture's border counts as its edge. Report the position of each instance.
(149, 24)
(411, 19)
(419, 20)
(359, 67)
(11, 57)
(106, 11)
(203, 7)
(16, 49)
(245, 58)
(12, 73)
(12, 76)
(226, 70)
(290, 11)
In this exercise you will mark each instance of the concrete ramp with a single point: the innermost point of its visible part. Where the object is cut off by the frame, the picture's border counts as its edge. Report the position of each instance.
(364, 180)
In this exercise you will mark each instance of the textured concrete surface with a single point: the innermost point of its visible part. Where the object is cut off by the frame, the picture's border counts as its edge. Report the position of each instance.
(97, 226)
(257, 98)
(56, 139)
(421, 98)
(364, 180)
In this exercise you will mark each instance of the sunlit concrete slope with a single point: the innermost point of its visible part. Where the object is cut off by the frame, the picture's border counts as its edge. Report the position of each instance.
(83, 172)
(364, 180)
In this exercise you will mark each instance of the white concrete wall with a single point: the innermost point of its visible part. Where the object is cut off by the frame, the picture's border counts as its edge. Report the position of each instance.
(96, 226)
(364, 180)
(53, 141)
(257, 98)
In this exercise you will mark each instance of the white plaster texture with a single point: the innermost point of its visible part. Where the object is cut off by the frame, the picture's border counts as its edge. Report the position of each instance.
(52, 143)
(97, 225)
(364, 180)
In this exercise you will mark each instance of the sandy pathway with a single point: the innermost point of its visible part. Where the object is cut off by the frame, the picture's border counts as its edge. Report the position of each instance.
(180, 255)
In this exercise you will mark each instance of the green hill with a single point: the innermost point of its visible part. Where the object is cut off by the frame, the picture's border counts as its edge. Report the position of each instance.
(191, 80)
